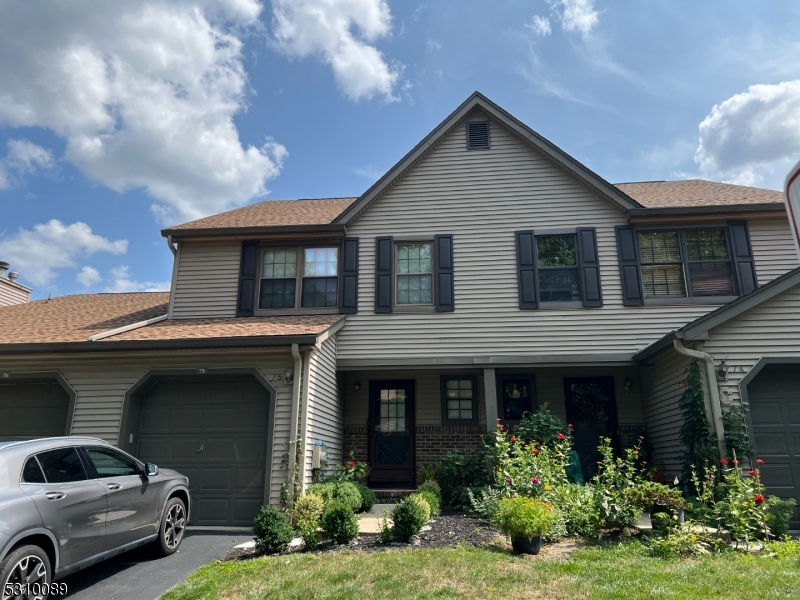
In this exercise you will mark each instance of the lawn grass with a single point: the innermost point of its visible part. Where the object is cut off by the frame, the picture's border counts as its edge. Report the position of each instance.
(601, 572)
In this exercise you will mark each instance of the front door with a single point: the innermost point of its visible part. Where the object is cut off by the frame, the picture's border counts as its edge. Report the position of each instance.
(592, 410)
(391, 432)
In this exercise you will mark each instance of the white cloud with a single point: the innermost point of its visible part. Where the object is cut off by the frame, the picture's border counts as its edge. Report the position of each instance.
(39, 252)
(752, 138)
(23, 157)
(327, 29)
(122, 282)
(540, 25)
(433, 46)
(88, 276)
(144, 94)
(575, 15)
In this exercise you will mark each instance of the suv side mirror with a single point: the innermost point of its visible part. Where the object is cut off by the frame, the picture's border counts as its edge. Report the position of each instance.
(150, 470)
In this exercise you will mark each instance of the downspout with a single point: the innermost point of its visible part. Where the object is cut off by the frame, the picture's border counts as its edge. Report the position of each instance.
(296, 385)
(304, 419)
(713, 390)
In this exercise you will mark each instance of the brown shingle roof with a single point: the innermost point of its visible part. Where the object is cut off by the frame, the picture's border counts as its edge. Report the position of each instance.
(75, 318)
(229, 327)
(695, 192)
(273, 213)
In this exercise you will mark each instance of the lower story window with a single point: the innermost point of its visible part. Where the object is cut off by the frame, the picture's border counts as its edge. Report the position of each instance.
(459, 399)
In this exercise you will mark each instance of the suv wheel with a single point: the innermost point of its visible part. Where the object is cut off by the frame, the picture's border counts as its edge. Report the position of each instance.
(26, 566)
(173, 526)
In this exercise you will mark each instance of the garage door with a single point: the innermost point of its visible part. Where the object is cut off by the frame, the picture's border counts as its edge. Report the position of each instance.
(32, 409)
(775, 410)
(215, 432)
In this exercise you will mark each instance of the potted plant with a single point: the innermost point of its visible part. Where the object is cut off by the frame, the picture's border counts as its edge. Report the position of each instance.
(525, 520)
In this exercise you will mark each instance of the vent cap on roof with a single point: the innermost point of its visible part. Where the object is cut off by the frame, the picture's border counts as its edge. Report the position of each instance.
(478, 135)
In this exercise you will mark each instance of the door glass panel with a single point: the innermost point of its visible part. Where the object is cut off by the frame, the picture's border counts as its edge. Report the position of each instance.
(392, 411)
(108, 463)
(62, 466)
(517, 398)
(32, 473)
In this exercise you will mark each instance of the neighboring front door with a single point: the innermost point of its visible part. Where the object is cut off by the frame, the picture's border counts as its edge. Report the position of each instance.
(592, 410)
(516, 396)
(391, 417)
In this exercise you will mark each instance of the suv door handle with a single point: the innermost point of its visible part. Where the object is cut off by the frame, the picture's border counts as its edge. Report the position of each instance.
(114, 486)
(55, 495)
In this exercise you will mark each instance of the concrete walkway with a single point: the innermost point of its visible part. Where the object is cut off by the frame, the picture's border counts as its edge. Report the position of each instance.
(370, 523)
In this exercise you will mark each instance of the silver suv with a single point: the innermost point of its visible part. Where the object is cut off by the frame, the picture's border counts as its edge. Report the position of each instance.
(70, 502)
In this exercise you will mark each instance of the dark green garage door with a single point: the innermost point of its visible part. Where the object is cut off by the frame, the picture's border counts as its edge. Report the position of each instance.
(215, 432)
(32, 409)
(775, 411)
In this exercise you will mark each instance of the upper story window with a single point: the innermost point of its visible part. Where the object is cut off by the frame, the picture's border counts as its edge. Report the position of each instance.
(686, 263)
(414, 273)
(316, 287)
(557, 263)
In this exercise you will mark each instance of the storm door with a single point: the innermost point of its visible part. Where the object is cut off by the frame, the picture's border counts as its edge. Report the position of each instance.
(391, 432)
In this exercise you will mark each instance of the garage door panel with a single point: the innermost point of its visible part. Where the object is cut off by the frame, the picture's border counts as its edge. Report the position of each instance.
(155, 447)
(184, 447)
(212, 510)
(251, 448)
(793, 413)
(215, 479)
(768, 414)
(244, 509)
(186, 419)
(249, 479)
(769, 443)
(219, 449)
(776, 475)
(33, 409)
(251, 417)
(154, 418)
(220, 419)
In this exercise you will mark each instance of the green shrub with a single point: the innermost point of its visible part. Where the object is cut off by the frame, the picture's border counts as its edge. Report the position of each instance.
(647, 494)
(368, 498)
(408, 517)
(779, 513)
(575, 504)
(331, 491)
(456, 474)
(272, 530)
(433, 501)
(541, 426)
(323, 490)
(615, 502)
(385, 535)
(663, 523)
(683, 541)
(485, 502)
(523, 517)
(426, 507)
(426, 473)
(306, 515)
(431, 485)
(340, 522)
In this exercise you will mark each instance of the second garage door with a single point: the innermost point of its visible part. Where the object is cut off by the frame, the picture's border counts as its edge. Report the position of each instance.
(775, 411)
(33, 409)
(216, 433)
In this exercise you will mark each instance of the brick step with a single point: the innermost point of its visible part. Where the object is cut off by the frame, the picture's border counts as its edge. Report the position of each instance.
(392, 493)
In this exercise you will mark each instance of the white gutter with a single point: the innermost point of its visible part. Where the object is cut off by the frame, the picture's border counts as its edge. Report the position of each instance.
(713, 390)
(295, 416)
(131, 327)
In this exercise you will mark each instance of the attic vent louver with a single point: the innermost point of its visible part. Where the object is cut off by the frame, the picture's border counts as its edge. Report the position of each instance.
(478, 135)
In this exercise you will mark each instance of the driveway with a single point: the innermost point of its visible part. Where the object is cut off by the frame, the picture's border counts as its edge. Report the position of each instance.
(138, 575)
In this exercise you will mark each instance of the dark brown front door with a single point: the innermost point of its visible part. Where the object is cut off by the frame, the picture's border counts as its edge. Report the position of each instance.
(391, 416)
(592, 411)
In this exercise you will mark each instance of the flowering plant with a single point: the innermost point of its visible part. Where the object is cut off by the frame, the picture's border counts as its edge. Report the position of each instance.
(615, 484)
(523, 517)
(352, 470)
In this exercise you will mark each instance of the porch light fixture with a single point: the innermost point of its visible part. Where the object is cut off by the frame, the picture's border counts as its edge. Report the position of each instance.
(357, 387)
(627, 385)
(722, 371)
(288, 374)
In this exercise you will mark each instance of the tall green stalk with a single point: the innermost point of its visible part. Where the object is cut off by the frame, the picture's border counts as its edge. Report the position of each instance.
(699, 446)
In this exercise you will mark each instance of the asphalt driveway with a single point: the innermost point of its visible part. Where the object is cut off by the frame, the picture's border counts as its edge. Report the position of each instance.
(139, 575)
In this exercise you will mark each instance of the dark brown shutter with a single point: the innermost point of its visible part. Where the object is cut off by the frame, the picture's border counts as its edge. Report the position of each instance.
(629, 266)
(348, 280)
(743, 257)
(248, 280)
(443, 273)
(589, 266)
(526, 270)
(384, 274)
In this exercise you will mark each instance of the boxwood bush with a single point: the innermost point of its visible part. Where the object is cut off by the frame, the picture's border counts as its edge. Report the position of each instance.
(368, 498)
(340, 522)
(344, 492)
(272, 530)
(408, 516)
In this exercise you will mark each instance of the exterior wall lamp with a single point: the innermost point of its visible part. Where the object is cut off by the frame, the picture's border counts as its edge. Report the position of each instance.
(288, 375)
(357, 387)
(722, 371)
(627, 385)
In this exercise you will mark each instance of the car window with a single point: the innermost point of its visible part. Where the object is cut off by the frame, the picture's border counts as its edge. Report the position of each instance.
(62, 465)
(109, 463)
(32, 472)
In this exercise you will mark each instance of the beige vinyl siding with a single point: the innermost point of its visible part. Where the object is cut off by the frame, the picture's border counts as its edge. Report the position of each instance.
(101, 382)
(482, 198)
(325, 418)
(12, 293)
(207, 282)
(773, 248)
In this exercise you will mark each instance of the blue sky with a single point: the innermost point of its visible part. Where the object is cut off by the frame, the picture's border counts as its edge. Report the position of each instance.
(117, 118)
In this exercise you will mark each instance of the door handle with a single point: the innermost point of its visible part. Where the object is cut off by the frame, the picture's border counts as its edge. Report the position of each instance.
(200, 449)
(55, 495)
(114, 486)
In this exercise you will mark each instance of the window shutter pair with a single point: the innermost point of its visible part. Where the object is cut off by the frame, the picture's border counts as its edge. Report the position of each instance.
(588, 267)
(248, 278)
(443, 287)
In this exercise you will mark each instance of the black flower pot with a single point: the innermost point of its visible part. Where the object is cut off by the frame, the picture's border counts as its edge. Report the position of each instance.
(523, 545)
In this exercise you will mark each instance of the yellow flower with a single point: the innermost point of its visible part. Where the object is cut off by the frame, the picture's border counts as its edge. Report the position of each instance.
(548, 488)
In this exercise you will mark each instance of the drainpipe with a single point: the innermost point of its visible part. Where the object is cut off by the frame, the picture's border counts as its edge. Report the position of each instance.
(296, 385)
(713, 390)
(304, 418)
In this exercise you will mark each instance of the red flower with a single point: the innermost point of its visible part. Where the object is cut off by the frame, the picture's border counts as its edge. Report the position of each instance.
(735, 462)
(513, 439)
(636, 453)
(723, 462)
(352, 463)
(536, 451)
(759, 499)
(752, 473)
(560, 436)
(759, 461)
(500, 427)
(569, 426)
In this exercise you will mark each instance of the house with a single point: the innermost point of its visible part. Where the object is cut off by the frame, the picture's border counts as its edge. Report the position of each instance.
(486, 274)
(12, 292)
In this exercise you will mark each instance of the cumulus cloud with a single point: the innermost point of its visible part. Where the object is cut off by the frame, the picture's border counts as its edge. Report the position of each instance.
(144, 94)
(122, 282)
(540, 25)
(342, 34)
(575, 15)
(753, 137)
(23, 157)
(39, 252)
(88, 276)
